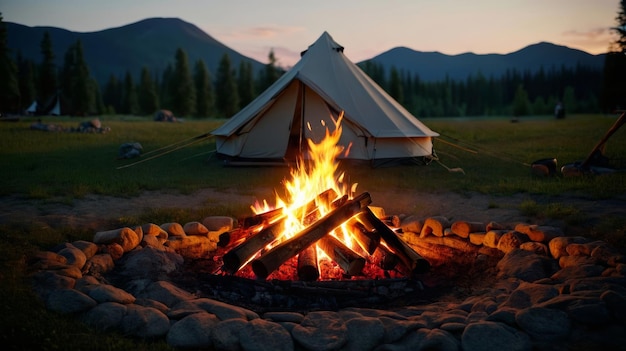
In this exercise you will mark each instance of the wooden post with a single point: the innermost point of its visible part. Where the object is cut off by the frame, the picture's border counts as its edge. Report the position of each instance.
(272, 259)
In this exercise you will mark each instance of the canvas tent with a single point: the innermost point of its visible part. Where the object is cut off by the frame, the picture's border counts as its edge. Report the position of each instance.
(276, 125)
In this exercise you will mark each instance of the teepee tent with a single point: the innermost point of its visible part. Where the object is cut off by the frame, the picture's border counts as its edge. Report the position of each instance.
(305, 100)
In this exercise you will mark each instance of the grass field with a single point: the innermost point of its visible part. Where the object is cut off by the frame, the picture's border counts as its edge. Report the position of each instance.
(494, 154)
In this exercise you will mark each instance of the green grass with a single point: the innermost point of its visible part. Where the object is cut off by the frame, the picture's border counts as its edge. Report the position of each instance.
(62, 167)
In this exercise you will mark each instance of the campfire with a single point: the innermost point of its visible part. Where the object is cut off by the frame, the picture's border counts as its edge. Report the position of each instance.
(319, 230)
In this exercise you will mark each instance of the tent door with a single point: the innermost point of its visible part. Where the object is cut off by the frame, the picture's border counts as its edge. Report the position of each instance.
(296, 146)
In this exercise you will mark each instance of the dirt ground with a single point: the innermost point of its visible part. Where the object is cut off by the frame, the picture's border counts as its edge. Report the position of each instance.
(96, 211)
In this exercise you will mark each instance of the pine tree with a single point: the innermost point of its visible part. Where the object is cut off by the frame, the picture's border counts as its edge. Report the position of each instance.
(112, 97)
(521, 105)
(182, 90)
(76, 84)
(227, 97)
(245, 83)
(147, 94)
(395, 86)
(205, 99)
(9, 88)
(26, 81)
(47, 72)
(270, 73)
(129, 98)
(615, 66)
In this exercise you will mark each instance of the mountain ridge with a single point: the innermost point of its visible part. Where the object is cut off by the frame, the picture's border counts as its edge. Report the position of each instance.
(148, 43)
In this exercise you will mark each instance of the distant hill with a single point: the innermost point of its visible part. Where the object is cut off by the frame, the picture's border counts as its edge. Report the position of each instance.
(148, 43)
(153, 43)
(433, 66)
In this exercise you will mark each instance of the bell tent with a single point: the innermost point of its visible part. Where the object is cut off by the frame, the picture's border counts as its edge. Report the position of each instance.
(305, 100)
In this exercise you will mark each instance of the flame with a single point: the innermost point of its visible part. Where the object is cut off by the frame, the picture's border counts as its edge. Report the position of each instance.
(315, 172)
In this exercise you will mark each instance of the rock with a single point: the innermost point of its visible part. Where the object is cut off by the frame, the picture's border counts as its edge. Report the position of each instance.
(125, 237)
(87, 247)
(594, 314)
(394, 329)
(225, 334)
(526, 266)
(261, 335)
(99, 264)
(530, 294)
(537, 233)
(538, 248)
(195, 228)
(616, 304)
(321, 330)
(218, 224)
(477, 238)
(488, 336)
(582, 249)
(569, 261)
(47, 260)
(412, 224)
(363, 333)
(69, 301)
(173, 229)
(75, 256)
(511, 240)
(464, 228)
(193, 246)
(283, 317)
(153, 230)
(165, 292)
(435, 226)
(144, 322)
(573, 272)
(150, 263)
(193, 331)
(544, 324)
(108, 293)
(558, 245)
(224, 311)
(492, 237)
(104, 317)
(438, 339)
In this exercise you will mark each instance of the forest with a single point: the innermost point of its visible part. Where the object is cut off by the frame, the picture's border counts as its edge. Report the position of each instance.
(190, 90)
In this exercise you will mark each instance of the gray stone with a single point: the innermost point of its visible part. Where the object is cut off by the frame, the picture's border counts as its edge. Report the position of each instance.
(99, 264)
(323, 330)
(493, 336)
(166, 293)
(145, 322)
(193, 331)
(224, 311)
(558, 245)
(529, 294)
(544, 324)
(75, 256)
(150, 263)
(105, 316)
(511, 241)
(261, 335)
(595, 314)
(109, 293)
(526, 265)
(225, 334)
(505, 315)
(440, 340)
(69, 301)
(87, 247)
(283, 317)
(363, 333)
(573, 272)
(394, 329)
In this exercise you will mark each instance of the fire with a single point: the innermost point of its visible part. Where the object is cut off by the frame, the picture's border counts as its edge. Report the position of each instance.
(314, 174)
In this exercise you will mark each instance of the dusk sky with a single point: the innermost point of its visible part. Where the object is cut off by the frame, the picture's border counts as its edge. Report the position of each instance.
(364, 27)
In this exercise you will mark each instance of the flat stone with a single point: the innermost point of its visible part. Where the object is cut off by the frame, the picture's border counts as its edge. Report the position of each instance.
(438, 339)
(166, 293)
(544, 324)
(225, 334)
(526, 265)
(363, 333)
(283, 317)
(109, 293)
(75, 256)
(69, 301)
(104, 317)
(530, 294)
(262, 335)
(224, 311)
(144, 322)
(489, 336)
(322, 331)
(193, 331)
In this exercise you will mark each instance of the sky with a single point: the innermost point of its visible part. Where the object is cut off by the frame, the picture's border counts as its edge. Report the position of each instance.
(365, 28)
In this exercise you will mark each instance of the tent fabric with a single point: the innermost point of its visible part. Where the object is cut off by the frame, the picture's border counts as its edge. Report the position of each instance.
(305, 100)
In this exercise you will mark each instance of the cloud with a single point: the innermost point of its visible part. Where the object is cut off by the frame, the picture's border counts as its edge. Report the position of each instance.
(595, 40)
(591, 34)
(261, 33)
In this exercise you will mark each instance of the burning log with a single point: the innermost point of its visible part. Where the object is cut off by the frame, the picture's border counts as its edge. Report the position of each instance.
(261, 218)
(368, 239)
(351, 262)
(271, 260)
(411, 259)
(308, 269)
(385, 259)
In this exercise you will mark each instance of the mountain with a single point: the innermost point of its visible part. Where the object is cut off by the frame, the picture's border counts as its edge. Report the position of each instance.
(148, 43)
(153, 43)
(433, 66)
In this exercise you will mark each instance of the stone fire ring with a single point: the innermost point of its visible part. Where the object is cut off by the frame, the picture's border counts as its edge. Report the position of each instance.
(549, 291)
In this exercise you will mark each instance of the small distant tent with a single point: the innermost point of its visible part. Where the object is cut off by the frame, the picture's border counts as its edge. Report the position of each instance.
(301, 104)
(32, 109)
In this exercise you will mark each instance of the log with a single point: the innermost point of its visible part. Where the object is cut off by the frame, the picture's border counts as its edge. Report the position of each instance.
(351, 262)
(386, 259)
(367, 239)
(308, 269)
(261, 218)
(272, 259)
(415, 263)
(237, 257)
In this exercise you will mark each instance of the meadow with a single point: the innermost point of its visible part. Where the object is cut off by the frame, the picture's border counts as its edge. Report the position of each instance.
(494, 154)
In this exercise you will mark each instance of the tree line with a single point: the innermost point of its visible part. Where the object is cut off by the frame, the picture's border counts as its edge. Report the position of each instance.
(194, 91)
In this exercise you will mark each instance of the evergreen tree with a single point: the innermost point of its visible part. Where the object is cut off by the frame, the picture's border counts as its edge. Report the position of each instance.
(245, 83)
(130, 105)
(182, 90)
(26, 81)
(395, 86)
(227, 97)
(112, 97)
(147, 94)
(165, 92)
(76, 84)
(270, 73)
(521, 105)
(613, 96)
(9, 88)
(205, 99)
(47, 72)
